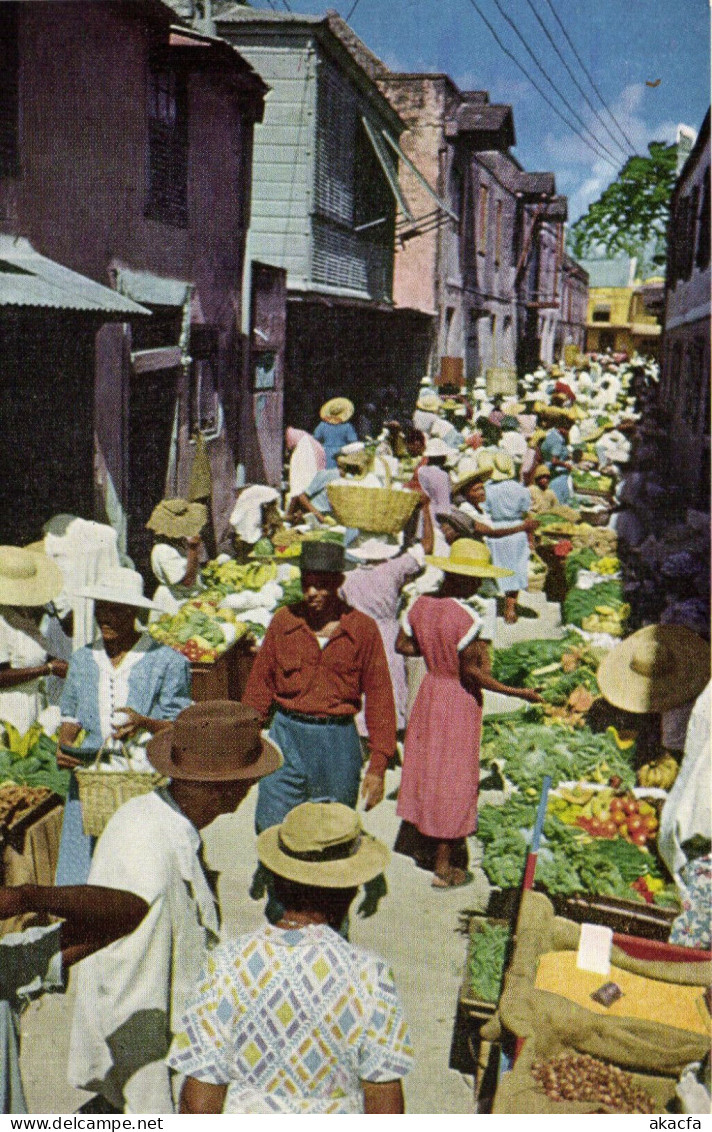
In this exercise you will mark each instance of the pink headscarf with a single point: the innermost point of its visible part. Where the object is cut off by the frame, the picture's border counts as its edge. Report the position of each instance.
(292, 438)
(435, 482)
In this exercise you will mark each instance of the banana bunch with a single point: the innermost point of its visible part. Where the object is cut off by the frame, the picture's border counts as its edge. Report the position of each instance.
(660, 772)
(236, 576)
(609, 564)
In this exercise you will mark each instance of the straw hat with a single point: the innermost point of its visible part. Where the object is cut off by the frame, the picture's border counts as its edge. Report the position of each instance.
(428, 402)
(476, 468)
(503, 467)
(119, 586)
(437, 448)
(338, 410)
(218, 741)
(27, 577)
(541, 470)
(470, 558)
(322, 844)
(177, 518)
(658, 668)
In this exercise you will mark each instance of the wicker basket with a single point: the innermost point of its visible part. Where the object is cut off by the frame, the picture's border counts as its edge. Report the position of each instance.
(101, 792)
(537, 581)
(382, 510)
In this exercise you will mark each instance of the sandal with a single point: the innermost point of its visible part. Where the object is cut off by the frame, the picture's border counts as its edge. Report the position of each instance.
(455, 878)
(441, 880)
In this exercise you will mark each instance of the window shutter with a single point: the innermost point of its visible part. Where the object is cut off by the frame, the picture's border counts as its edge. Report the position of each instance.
(9, 93)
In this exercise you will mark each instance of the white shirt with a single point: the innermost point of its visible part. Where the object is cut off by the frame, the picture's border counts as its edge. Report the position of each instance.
(21, 646)
(168, 564)
(133, 993)
(687, 808)
(514, 444)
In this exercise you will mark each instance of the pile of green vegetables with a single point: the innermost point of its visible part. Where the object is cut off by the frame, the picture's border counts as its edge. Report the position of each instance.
(537, 664)
(582, 559)
(486, 957)
(532, 750)
(580, 604)
(590, 481)
(36, 768)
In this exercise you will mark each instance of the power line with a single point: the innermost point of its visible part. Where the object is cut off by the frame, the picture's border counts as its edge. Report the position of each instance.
(536, 86)
(583, 67)
(552, 84)
(580, 89)
(354, 6)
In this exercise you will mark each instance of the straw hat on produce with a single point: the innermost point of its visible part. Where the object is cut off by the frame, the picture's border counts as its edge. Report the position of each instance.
(118, 586)
(473, 469)
(658, 668)
(217, 741)
(428, 402)
(177, 518)
(503, 467)
(338, 410)
(322, 844)
(470, 558)
(28, 577)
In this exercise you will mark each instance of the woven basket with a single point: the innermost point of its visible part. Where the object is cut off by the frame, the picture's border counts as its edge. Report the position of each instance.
(378, 509)
(101, 792)
(537, 582)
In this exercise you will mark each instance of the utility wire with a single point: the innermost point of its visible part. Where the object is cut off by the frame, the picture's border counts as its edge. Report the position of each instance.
(354, 6)
(508, 53)
(552, 84)
(583, 67)
(580, 89)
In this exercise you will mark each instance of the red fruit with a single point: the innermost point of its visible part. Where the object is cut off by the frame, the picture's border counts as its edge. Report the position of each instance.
(640, 838)
(630, 806)
(616, 806)
(635, 824)
(610, 829)
(595, 827)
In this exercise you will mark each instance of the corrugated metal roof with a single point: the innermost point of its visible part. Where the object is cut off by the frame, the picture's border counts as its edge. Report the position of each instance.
(608, 272)
(28, 279)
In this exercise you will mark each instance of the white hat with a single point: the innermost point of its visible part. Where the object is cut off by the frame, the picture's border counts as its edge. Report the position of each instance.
(373, 550)
(118, 586)
(351, 449)
(437, 447)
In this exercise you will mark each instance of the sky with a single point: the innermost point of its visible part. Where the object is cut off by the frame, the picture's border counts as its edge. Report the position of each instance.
(623, 44)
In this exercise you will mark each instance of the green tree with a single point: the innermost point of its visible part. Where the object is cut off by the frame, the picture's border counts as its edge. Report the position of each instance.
(631, 215)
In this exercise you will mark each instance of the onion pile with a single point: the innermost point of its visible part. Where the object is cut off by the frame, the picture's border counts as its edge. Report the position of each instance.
(579, 1077)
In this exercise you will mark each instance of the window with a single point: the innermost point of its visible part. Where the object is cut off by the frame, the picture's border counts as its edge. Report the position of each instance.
(690, 233)
(601, 314)
(704, 235)
(9, 93)
(335, 148)
(167, 147)
(498, 231)
(265, 371)
(482, 219)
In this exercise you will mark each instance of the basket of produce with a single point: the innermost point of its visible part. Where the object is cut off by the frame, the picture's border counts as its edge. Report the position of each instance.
(103, 788)
(487, 949)
(596, 516)
(591, 483)
(537, 573)
(21, 805)
(600, 609)
(199, 630)
(382, 510)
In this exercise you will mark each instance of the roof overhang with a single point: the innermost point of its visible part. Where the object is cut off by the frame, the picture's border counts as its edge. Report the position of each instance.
(31, 280)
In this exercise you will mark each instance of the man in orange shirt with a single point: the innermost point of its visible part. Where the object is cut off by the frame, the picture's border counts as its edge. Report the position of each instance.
(317, 660)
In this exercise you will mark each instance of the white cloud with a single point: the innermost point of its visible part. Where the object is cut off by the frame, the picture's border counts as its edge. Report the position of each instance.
(584, 176)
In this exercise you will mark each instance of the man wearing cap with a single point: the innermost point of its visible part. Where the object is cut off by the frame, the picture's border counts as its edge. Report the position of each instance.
(291, 1018)
(317, 660)
(131, 997)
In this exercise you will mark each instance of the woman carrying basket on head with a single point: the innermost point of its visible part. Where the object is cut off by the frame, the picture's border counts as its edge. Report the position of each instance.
(121, 688)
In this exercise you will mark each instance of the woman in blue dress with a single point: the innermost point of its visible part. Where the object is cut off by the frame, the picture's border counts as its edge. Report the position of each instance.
(123, 687)
(508, 503)
(335, 429)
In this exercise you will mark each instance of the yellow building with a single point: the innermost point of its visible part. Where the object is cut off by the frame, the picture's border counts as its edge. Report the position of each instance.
(618, 317)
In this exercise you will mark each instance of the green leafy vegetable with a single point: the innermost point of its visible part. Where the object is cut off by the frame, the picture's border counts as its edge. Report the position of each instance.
(485, 961)
(580, 604)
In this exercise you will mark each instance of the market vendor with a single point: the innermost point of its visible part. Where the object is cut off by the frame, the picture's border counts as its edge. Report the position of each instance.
(345, 1045)
(124, 687)
(28, 580)
(317, 660)
(542, 496)
(175, 557)
(438, 792)
(335, 429)
(34, 961)
(255, 519)
(555, 451)
(307, 457)
(508, 504)
(353, 464)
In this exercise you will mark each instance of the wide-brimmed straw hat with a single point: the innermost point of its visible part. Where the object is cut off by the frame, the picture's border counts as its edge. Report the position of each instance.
(471, 558)
(28, 577)
(503, 467)
(428, 402)
(473, 469)
(337, 410)
(322, 844)
(214, 741)
(118, 586)
(658, 668)
(177, 518)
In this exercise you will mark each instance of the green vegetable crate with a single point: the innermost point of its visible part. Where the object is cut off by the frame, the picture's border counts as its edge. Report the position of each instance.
(488, 948)
(648, 921)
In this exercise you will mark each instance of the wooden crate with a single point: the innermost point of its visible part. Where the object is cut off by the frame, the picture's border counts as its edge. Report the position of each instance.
(226, 678)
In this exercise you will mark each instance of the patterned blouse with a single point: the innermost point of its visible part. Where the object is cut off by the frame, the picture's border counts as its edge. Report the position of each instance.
(293, 1021)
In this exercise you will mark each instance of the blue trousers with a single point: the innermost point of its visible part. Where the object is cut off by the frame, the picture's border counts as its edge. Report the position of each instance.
(320, 761)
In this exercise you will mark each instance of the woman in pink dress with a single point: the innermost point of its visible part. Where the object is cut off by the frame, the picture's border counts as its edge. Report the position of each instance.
(438, 791)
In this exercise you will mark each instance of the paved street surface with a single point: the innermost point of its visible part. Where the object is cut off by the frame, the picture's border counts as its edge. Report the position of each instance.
(415, 928)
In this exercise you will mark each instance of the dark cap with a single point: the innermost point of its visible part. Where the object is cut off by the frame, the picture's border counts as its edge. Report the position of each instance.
(322, 557)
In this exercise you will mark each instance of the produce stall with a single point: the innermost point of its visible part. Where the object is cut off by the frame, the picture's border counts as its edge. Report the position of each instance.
(580, 1049)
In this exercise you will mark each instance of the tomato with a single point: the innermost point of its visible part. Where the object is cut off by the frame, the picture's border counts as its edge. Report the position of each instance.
(635, 824)
(595, 827)
(616, 806)
(630, 806)
(610, 829)
(651, 822)
(619, 817)
(640, 838)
